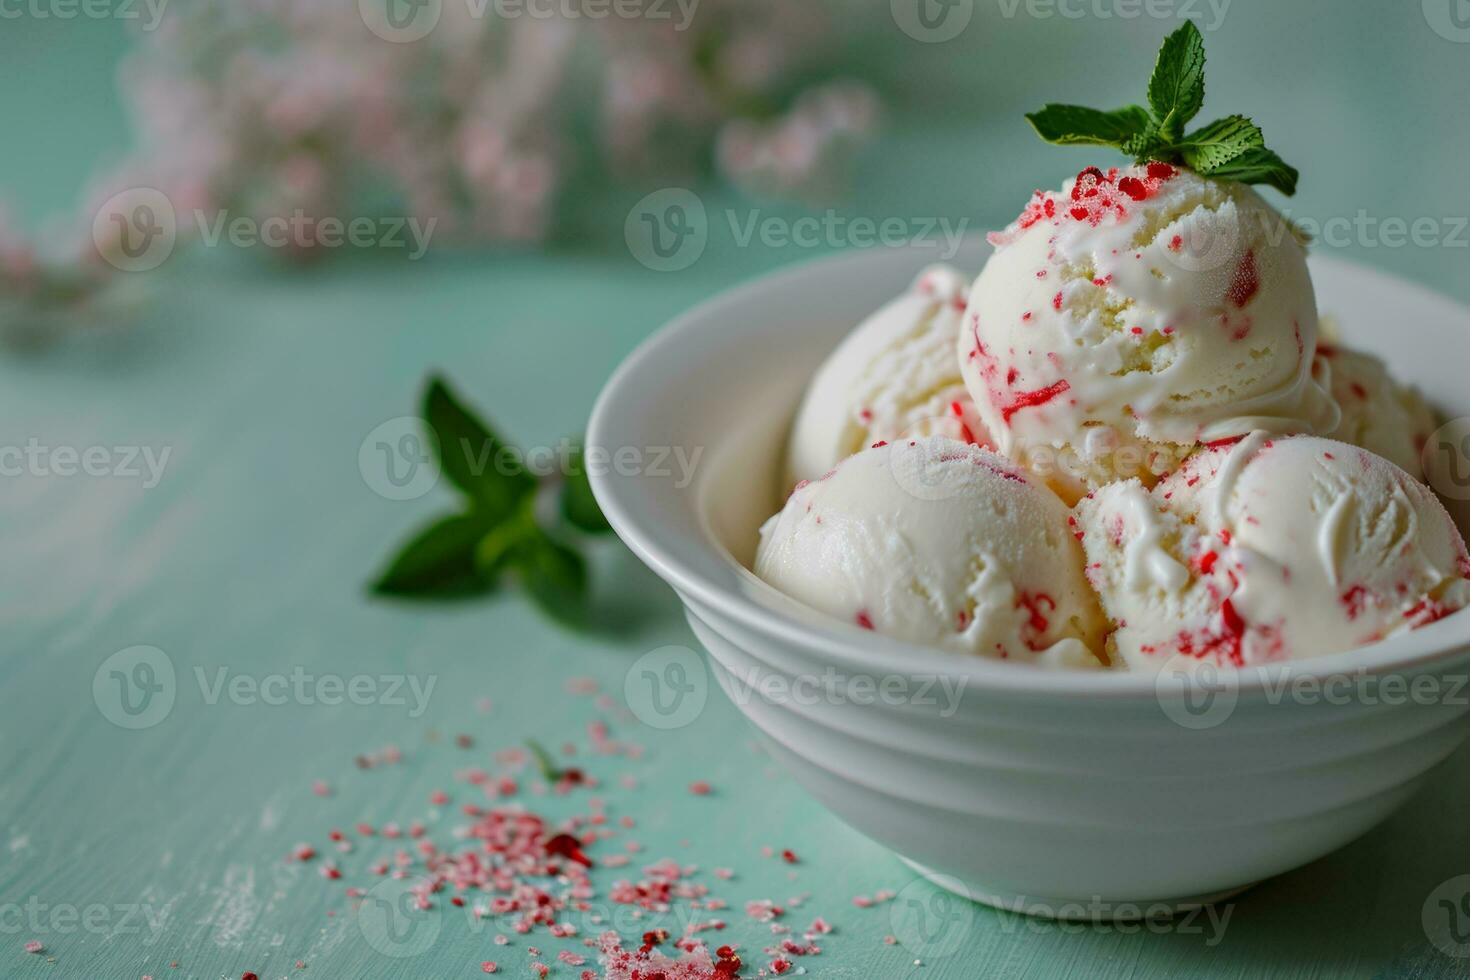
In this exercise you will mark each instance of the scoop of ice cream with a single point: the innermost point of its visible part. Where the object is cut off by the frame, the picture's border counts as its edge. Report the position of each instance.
(1269, 550)
(942, 543)
(895, 376)
(1134, 315)
(1380, 415)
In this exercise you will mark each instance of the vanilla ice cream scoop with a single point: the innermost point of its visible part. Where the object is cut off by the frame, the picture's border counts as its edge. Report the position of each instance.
(1379, 414)
(938, 542)
(895, 376)
(1134, 315)
(1270, 549)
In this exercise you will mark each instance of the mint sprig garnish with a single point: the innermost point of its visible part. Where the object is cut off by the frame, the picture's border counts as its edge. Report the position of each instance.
(1232, 148)
(499, 532)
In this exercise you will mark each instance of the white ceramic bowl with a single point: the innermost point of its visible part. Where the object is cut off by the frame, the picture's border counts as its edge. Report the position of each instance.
(1055, 793)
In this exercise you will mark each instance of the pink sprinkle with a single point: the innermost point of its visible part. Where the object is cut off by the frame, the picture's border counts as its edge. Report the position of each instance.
(320, 788)
(700, 788)
(439, 797)
(502, 940)
(489, 966)
(35, 946)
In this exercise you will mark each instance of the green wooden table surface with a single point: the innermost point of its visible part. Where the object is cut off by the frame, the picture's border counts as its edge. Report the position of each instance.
(125, 851)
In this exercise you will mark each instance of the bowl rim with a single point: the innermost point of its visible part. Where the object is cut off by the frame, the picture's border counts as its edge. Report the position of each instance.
(848, 647)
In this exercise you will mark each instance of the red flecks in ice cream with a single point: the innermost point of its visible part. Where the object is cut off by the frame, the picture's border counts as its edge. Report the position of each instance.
(1056, 301)
(1246, 282)
(864, 619)
(880, 444)
(1207, 561)
(1077, 531)
(1359, 390)
(1040, 273)
(1354, 600)
(1039, 607)
(1133, 187)
(957, 409)
(1026, 317)
(1087, 183)
(866, 414)
(1428, 611)
(962, 620)
(1032, 399)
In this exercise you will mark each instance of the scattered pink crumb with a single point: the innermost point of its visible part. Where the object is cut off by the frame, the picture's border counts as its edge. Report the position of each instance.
(320, 788)
(35, 946)
(700, 788)
(489, 966)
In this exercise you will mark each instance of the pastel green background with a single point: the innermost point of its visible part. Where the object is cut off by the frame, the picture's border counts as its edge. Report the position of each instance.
(251, 552)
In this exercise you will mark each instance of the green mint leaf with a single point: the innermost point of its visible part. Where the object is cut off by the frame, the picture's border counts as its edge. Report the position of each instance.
(554, 576)
(495, 549)
(1176, 92)
(1071, 125)
(1260, 166)
(1146, 146)
(437, 563)
(550, 771)
(578, 505)
(1210, 148)
(471, 456)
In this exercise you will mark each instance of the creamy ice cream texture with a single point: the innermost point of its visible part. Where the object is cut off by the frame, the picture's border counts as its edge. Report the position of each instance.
(941, 543)
(1379, 414)
(1267, 550)
(894, 377)
(1135, 315)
